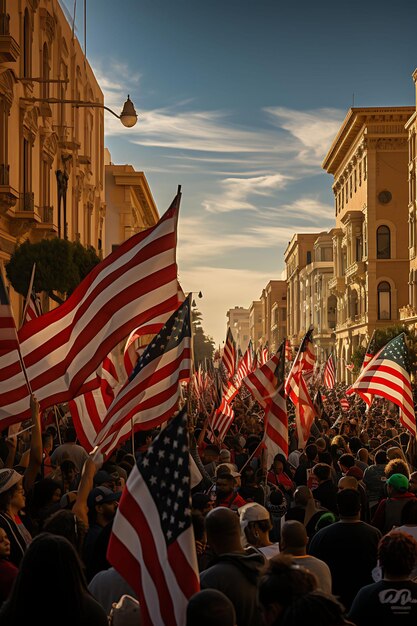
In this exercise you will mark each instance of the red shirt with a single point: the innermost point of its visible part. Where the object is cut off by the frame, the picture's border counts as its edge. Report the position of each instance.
(233, 502)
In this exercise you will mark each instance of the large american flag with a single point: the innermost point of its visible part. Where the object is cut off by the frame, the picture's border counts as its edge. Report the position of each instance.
(228, 360)
(329, 376)
(150, 395)
(129, 289)
(246, 364)
(9, 342)
(90, 408)
(266, 384)
(304, 361)
(387, 375)
(152, 540)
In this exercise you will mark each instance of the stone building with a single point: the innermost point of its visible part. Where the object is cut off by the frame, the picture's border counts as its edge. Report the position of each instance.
(255, 323)
(238, 322)
(274, 313)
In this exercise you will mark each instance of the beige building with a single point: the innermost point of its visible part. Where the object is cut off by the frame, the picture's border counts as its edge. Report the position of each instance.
(255, 323)
(274, 313)
(238, 322)
(130, 206)
(51, 154)
(369, 162)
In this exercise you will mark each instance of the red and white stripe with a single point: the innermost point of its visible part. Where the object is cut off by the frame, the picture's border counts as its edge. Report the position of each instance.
(222, 420)
(229, 355)
(266, 384)
(9, 343)
(303, 362)
(344, 404)
(246, 365)
(288, 350)
(329, 376)
(89, 409)
(131, 288)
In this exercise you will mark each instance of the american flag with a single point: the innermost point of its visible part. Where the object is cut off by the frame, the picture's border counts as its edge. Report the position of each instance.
(387, 375)
(89, 409)
(344, 404)
(228, 359)
(150, 395)
(304, 409)
(131, 288)
(152, 540)
(246, 364)
(222, 420)
(266, 384)
(329, 375)
(350, 366)
(9, 343)
(263, 355)
(304, 361)
(34, 308)
(370, 351)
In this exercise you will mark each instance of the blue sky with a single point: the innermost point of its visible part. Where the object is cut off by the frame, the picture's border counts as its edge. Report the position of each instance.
(238, 101)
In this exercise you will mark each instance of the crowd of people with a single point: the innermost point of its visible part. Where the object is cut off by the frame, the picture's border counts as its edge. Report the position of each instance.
(326, 535)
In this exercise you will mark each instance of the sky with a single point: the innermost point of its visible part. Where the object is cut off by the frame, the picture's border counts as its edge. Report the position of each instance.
(238, 102)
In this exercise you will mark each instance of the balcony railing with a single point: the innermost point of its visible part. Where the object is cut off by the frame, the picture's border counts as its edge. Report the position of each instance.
(47, 214)
(338, 284)
(4, 174)
(28, 201)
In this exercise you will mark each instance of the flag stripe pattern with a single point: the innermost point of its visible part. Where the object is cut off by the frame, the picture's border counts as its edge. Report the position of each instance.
(387, 375)
(266, 384)
(61, 349)
(344, 404)
(222, 420)
(89, 409)
(246, 365)
(229, 355)
(34, 308)
(150, 395)
(152, 541)
(8, 333)
(329, 373)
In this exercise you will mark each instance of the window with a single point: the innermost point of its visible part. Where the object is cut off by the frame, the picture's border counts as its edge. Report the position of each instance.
(383, 243)
(45, 71)
(384, 301)
(308, 257)
(27, 46)
(358, 251)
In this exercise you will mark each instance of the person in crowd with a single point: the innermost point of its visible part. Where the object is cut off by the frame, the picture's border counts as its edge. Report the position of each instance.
(305, 509)
(391, 601)
(374, 480)
(201, 502)
(303, 473)
(349, 547)
(42, 500)
(102, 506)
(280, 476)
(8, 571)
(315, 608)
(234, 571)
(280, 584)
(249, 488)
(388, 512)
(66, 524)
(71, 450)
(108, 586)
(255, 523)
(226, 492)
(294, 542)
(51, 564)
(208, 607)
(326, 491)
(409, 518)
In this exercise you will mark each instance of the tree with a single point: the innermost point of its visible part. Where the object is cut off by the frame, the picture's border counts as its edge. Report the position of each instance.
(203, 345)
(60, 266)
(382, 337)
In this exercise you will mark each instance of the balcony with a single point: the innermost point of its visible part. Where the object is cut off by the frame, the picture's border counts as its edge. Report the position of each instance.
(408, 312)
(356, 271)
(46, 225)
(337, 284)
(9, 48)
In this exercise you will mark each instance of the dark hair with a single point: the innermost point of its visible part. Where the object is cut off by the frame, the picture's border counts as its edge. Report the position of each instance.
(347, 460)
(50, 562)
(311, 451)
(314, 608)
(348, 502)
(409, 512)
(396, 466)
(67, 465)
(322, 471)
(70, 434)
(397, 553)
(66, 524)
(210, 606)
(282, 581)
(197, 520)
(380, 457)
(355, 444)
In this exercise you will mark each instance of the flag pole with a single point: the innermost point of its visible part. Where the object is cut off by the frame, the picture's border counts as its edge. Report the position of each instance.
(28, 296)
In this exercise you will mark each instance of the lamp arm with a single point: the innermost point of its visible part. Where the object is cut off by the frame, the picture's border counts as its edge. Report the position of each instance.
(76, 103)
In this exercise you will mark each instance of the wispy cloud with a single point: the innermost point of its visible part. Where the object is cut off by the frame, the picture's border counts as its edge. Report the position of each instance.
(314, 130)
(302, 210)
(235, 192)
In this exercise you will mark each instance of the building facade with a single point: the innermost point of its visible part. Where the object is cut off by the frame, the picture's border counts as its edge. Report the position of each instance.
(238, 322)
(369, 162)
(274, 313)
(51, 153)
(255, 323)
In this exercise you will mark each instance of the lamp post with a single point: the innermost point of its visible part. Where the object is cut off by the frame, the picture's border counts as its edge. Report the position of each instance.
(128, 116)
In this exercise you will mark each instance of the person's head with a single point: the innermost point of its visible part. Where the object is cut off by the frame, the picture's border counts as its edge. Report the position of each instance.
(380, 457)
(225, 484)
(302, 495)
(255, 523)
(12, 493)
(315, 607)
(346, 461)
(102, 505)
(47, 441)
(397, 484)
(208, 607)
(45, 492)
(395, 453)
(201, 502)
(4, 544)
(363, 455)
(293, 538)
(211, 454)
(223, 531)
(281, 584)
(66, 524)
(68, 470)
(397, 554)
(396, 466)
(225, 456)
(70, 435)
(349, 503)
(248, 476)
(412, 483)
(326, 519)
(311, 452)
(355, 444)
(321, 445)
(49, 562)
(104, 479)
(322, 471)
(347, 482)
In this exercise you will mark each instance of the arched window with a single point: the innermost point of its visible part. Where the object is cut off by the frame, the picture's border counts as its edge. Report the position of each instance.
(384, 301)
(383, 243)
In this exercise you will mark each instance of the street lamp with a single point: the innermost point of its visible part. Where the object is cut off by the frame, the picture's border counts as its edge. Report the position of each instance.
(128, 116)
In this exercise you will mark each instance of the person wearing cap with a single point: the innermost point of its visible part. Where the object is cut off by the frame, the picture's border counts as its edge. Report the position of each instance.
(102, 507)
(255, 523)
(226, 494)
(388, 512)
